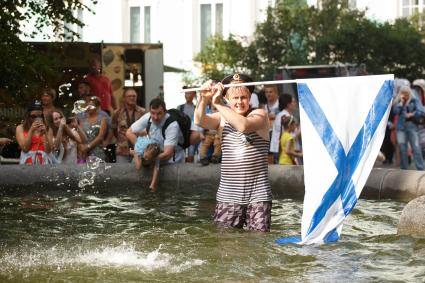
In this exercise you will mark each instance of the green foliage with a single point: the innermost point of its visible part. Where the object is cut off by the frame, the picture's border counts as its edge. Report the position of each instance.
(23, 70)
(295, 34)
(282, 39)
(221, 57)
(418, 22)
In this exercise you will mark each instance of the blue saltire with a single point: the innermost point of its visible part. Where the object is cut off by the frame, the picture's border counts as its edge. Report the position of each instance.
(346, 165)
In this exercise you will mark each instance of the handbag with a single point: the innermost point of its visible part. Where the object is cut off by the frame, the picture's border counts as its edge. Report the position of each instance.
(419, 120)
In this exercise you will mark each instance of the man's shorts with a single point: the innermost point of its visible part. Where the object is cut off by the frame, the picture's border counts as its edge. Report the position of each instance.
(254, 216)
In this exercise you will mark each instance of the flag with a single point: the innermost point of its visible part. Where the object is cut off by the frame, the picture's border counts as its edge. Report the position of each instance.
(343, 123)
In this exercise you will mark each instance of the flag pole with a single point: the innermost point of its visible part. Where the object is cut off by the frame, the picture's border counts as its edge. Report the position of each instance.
(246, 84)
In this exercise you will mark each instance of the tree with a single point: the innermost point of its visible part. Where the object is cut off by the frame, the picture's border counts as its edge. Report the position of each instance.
(283, 39)
(23, 69)
(295, 34)
(221, 57)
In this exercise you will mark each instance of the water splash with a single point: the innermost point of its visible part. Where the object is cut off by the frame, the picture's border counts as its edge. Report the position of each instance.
(80, 106)
(86, 179)
(126, 256)
(29, 260)
(61, 88)
(95, 166)
(94, 162)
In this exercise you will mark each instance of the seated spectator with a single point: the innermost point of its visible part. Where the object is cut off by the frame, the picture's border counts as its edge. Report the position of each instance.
(210, 138)
(288, 152)
(32, 138)
(146, 152)
(64, 135)
(122, 119)
(94, 127)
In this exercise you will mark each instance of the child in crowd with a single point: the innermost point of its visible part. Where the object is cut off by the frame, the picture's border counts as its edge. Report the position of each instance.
(210, 138)
(288, 153)
(145, 153)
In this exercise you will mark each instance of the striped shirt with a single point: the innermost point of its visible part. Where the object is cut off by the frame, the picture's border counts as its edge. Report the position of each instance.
(244, 168)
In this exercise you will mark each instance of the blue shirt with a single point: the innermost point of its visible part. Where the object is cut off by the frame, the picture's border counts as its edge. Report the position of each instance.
(412, 106)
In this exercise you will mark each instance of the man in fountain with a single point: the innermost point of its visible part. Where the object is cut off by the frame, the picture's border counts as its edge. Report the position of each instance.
(244, 198)
(168, 135)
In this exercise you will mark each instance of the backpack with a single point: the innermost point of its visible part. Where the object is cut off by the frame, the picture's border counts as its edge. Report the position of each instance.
(184, 122)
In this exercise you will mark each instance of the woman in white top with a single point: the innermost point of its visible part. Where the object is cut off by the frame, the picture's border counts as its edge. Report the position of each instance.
(64, 138)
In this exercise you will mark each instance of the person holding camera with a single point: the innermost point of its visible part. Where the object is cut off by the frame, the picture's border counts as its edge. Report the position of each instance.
(409, 111)
(32, 137)
(95, 127)
(64, 135)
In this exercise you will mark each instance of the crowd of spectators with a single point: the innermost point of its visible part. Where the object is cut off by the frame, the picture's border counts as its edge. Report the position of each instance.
(109, 130)
(404, 142)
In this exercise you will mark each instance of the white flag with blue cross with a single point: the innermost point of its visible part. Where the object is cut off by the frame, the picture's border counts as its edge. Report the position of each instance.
(343, 124)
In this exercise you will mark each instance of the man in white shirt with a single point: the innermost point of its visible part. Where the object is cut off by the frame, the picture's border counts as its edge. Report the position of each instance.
(153, 122)
(272, 108)
(188, 108)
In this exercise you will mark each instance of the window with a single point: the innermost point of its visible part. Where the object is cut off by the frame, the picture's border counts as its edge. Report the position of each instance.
(211, 20)
(147, 26)
(205, 23)
(411, 7)
(134, 24)
(80, 18)
(219, 18)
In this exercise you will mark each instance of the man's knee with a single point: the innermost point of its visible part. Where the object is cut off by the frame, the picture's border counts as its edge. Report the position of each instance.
(259, 216)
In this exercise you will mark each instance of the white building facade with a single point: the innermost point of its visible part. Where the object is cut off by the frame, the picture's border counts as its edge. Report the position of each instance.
(182, 26)
(383, 10)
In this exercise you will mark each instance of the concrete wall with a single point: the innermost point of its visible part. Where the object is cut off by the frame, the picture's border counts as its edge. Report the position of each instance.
(286, 181)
